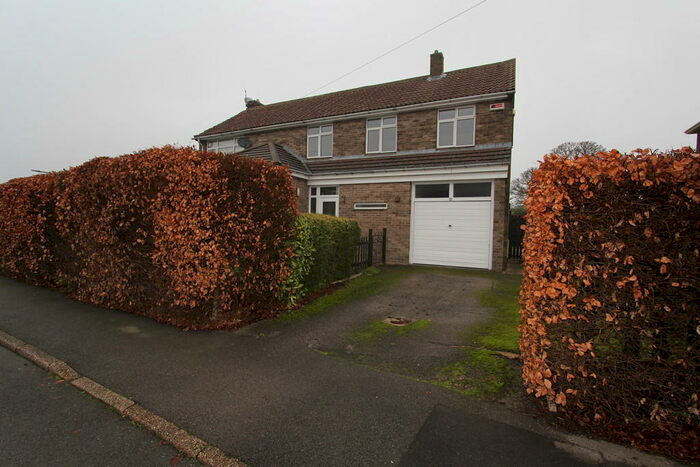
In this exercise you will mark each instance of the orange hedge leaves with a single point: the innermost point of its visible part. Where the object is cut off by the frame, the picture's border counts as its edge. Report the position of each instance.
(26, 208)
(610, 299)
(195, 239)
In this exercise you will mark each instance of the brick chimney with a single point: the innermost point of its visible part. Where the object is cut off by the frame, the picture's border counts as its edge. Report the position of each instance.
(437, 64)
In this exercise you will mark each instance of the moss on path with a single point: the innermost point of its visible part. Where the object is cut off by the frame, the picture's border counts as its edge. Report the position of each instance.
(483, 372)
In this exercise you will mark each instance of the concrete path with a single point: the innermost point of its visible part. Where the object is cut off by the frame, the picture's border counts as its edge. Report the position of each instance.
(266, 396)
(44, 421)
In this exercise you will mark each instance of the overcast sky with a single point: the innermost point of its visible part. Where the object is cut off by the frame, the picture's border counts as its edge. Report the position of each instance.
(79, 79)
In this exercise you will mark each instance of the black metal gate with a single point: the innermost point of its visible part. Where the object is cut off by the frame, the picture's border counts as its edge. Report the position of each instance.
(515, 235)
(370, 250)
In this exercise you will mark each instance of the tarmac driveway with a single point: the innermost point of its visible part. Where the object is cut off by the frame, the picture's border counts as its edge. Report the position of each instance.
(271, 395)
(432, 312)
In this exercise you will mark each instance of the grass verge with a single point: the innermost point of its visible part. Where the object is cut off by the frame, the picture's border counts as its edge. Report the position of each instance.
(478, 374)
(501, 332)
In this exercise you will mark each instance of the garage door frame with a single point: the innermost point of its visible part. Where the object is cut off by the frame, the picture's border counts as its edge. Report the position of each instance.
(414, 200)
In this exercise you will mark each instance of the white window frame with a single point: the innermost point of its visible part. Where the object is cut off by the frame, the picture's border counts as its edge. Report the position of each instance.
(236, 147)
(381, 128)
(451, 191)
(320, 133)
(321, 198)
(454, 121)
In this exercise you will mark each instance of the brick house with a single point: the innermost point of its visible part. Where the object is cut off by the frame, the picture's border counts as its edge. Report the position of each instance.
(428, 158)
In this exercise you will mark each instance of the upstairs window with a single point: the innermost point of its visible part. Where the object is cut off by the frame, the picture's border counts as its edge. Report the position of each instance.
(319, 141)
(456, 127)
(227, 146)
(381, 135)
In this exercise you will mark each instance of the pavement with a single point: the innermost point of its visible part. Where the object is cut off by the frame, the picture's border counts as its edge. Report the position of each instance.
(443, 436)
(45, 421)
(266, 395)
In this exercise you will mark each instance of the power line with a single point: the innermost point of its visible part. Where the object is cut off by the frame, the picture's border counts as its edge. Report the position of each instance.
(398, 47)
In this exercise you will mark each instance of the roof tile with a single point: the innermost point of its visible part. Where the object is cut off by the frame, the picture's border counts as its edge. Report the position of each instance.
(484, 79)
(285, 157)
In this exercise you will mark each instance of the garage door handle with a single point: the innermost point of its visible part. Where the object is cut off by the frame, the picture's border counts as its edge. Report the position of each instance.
(450, 225)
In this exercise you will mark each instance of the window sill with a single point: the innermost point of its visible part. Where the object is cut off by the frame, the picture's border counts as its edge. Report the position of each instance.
(456, 146)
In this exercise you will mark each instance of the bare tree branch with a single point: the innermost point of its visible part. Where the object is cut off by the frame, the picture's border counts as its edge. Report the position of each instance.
(518, 188)
(571, 148)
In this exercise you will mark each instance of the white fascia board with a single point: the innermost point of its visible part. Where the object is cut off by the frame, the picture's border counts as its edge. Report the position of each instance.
(414, 175)
(366, 114)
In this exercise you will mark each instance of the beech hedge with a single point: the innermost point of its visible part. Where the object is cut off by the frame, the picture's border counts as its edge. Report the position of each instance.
(610, 300)
(196, 239)
(324, 249)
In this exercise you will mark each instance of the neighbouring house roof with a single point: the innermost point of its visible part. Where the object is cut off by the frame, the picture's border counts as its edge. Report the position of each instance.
(695, 129)
(277, 153)
(366, 164)
(474, 81)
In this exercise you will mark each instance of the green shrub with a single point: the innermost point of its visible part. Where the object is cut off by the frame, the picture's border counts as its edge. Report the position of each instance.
(324, 249)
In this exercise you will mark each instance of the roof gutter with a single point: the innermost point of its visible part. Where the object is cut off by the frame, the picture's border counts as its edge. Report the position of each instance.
(693, 129)
(368, 113)
(356, 172)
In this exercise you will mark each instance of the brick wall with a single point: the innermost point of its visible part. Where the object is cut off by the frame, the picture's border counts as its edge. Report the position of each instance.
(349, 137)
(293, 138)
(396, 218)
(494, 126)
(416, 131)
(302, 189)
(500, 225)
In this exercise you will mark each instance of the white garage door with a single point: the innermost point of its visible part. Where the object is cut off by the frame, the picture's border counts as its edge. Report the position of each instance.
(452, 224)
